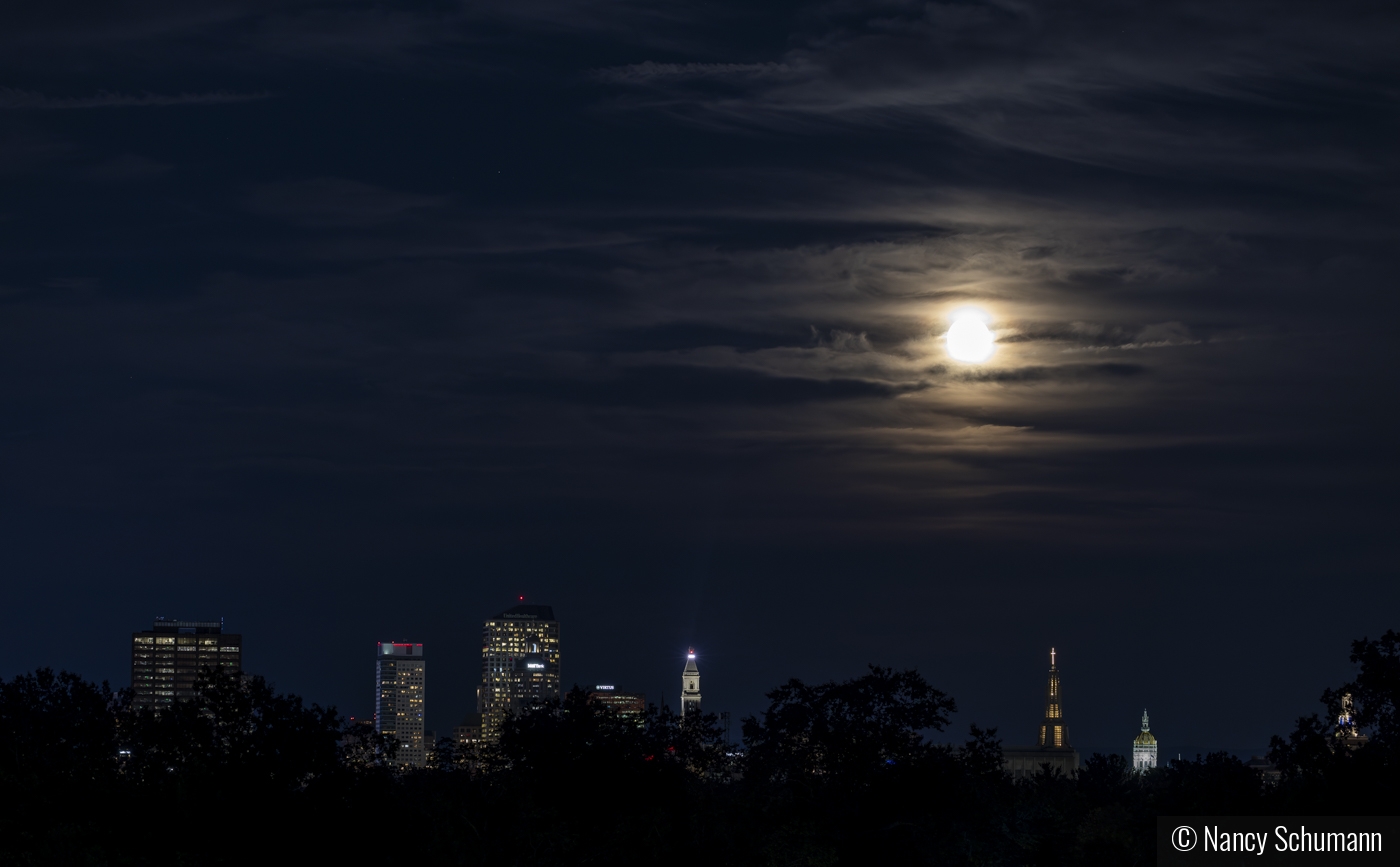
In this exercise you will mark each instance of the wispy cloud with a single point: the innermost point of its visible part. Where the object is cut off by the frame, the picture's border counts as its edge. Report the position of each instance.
(1046, 81)
(14, 98)
(649, 71)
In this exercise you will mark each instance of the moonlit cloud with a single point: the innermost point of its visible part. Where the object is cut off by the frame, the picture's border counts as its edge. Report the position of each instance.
(619, 297)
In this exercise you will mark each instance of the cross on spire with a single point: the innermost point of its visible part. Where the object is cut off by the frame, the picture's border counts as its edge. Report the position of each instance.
(1052, 732)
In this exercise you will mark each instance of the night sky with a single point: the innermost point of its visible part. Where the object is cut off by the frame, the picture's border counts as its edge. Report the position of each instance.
(352, 322)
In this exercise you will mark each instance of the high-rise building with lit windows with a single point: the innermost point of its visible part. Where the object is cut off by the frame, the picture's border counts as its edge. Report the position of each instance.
(166, 659)
(399, 694)
(519, 664)
(690, 686)
(1052, 751)
(468, 734)
(627, 705)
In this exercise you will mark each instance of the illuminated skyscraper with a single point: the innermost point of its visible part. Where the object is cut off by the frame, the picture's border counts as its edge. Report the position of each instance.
(519, 664)
(1144, 747)
(399, 695)
(1052, 747)
(690, 686)
(166, 659)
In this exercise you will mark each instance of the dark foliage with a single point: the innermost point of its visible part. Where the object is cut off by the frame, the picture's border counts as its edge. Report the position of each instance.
(831, 774)
(237, 734)
(845, 733)
(1323, 768)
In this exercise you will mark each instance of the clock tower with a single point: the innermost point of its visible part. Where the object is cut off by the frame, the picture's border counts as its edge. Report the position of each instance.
(690, 686)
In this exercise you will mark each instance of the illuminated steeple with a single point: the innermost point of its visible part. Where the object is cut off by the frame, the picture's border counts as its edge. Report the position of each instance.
(690, 686)
(1347, 732)
(1053, 735)
(1346, 720)
(1052, 752)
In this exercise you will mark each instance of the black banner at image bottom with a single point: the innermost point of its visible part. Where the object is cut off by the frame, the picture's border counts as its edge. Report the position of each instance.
(1184, 841)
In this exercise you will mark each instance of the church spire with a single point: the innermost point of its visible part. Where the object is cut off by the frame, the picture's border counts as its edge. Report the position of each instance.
(1053, 734)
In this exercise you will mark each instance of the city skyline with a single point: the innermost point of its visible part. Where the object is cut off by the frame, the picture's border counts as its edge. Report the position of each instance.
(403, 692)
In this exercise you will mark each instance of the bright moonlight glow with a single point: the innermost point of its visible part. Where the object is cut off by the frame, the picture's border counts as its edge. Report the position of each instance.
(969, 339)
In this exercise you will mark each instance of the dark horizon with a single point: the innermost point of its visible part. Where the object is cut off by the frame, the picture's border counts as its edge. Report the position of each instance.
(350, 322)
(443, 711)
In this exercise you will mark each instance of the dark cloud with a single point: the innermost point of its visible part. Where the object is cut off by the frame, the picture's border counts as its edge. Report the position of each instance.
(1066, 372)
(336, 202)
(25, 149)
(650, 387)
(670, 336)
(641, 305)
(129, 167)
(12, 98)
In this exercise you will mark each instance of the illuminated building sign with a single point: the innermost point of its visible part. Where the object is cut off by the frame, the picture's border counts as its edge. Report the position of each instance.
(534, 665)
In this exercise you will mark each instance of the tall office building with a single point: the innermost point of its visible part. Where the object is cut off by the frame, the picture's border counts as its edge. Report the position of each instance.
(468, 734)
(399, 693)
(1052, 749)
(1144, 747)
(519, 664)
(167, 658)
(627, 705)
(690, 686)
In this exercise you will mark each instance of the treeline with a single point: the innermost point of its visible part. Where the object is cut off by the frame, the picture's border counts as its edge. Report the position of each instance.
(829, 774)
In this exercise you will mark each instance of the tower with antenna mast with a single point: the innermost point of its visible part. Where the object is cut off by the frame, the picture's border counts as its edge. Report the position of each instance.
(690, 686)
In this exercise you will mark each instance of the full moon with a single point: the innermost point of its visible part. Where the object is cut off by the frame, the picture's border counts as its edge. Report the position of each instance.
(969, 339)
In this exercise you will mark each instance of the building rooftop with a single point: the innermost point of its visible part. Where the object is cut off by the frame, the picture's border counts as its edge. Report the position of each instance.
(163, 625)
(532, 612)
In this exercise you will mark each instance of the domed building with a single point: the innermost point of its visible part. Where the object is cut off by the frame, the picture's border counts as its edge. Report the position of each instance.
(1144, 748)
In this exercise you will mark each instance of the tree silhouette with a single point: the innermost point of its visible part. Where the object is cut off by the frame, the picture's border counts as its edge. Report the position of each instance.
(235, 729)
(845, 732)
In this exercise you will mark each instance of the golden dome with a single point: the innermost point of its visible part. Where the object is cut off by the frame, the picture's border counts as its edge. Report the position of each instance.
(1145, 739)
